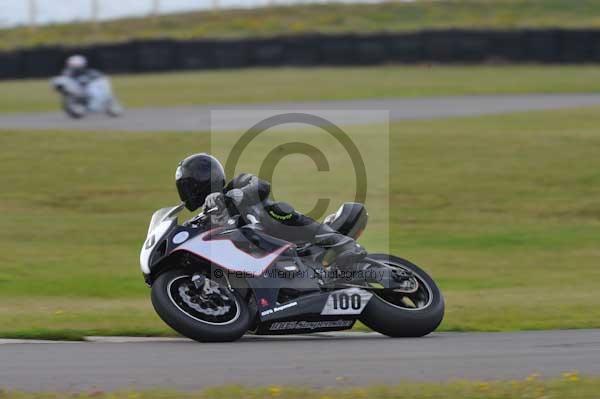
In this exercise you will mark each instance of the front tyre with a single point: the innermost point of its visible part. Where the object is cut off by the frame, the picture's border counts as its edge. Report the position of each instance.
(73, 107)
(405, 315)
(114, 109)
(211, 314)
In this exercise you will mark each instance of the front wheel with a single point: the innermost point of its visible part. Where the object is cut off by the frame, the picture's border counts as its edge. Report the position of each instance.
(401, 314)
(211, 313)
(74, 107)
(114, 108)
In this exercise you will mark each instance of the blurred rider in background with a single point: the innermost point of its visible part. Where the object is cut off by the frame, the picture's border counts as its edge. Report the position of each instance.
(76, 67)
(86, 89)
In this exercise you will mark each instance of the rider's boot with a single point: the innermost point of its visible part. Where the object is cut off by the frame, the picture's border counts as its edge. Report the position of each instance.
(343, 253)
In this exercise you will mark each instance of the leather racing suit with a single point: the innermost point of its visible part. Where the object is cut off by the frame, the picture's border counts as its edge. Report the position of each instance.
(280, 220)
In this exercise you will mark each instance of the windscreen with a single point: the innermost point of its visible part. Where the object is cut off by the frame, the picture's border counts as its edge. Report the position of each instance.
(163, 214)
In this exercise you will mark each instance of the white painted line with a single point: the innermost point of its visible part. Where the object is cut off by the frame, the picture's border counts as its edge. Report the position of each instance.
(248, 337)
(124, 340)
(4, 341)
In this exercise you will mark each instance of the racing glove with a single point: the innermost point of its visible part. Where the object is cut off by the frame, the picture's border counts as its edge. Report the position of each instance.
(214, 200)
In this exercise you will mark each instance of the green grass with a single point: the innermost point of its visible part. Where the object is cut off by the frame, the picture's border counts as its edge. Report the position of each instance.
(504, 211)
(302, 84)
(571, 385)
(332, 18)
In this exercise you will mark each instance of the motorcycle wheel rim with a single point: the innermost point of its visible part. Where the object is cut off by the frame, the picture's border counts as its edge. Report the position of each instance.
(422, 298)
(185, 307)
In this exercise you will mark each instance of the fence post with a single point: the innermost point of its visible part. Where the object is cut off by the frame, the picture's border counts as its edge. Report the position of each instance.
(155, 8)
(32, 14)
(95, 8)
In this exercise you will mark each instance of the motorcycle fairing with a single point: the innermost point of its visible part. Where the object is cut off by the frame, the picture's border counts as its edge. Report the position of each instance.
(305, 325)
(302, 315)
(320, 303)
(250, 250)
(249, 239)
(232, 250)
(246, 249)
(163, 221)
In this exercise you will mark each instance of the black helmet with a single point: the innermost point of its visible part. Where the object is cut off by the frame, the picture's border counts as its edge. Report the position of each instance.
(197, 176)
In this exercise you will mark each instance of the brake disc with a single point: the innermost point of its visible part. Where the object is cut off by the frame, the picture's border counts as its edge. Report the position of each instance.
(211, 288)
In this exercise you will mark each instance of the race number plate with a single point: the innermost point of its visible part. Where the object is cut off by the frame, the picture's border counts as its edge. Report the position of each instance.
(348, 301)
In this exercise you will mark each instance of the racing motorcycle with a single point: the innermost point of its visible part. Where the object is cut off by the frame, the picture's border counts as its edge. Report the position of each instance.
(214, 282)
(95, 97)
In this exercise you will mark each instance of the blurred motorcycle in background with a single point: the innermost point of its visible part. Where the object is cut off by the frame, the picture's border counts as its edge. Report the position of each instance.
(96, 96)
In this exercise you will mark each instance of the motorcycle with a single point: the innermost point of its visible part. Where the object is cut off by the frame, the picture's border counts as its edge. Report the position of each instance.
(214, 282)
(95, 97)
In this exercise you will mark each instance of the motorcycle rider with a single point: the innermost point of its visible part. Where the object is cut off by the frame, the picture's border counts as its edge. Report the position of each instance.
(89, 86)
(200, 181)
(76, 67)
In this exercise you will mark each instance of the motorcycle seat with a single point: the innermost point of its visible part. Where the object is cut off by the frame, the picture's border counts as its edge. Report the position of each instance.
(350, 219)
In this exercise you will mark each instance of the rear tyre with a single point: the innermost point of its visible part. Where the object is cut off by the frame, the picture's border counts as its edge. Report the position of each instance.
(219, 316)
(114, 109)
(402, 315)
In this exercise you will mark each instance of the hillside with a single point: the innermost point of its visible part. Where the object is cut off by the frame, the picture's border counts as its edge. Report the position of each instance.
(330, 18)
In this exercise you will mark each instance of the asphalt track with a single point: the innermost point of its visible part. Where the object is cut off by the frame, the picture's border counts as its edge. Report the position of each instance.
(197, 118)
(311, 361)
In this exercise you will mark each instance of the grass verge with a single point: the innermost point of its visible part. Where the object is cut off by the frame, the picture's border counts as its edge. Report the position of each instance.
(324, 18)
(571, 385)
(503, 210)
(305, 84)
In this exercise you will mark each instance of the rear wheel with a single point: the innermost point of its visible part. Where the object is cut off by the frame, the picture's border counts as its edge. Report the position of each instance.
(405, 314)
(211, 313)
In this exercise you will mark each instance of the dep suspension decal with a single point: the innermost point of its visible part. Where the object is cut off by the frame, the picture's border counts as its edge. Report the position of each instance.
(310, 325)
(279, 308)
(348, 301)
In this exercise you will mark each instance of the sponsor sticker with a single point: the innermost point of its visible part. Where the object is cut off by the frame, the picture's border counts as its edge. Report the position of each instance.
(279, 308)
(310, 325)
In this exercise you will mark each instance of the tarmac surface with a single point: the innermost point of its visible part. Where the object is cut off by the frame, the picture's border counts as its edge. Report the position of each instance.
(320, 360)
(197, 118)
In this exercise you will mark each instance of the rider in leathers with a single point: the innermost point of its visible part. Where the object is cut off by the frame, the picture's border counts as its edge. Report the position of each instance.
(76, 67)
(247, 192)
